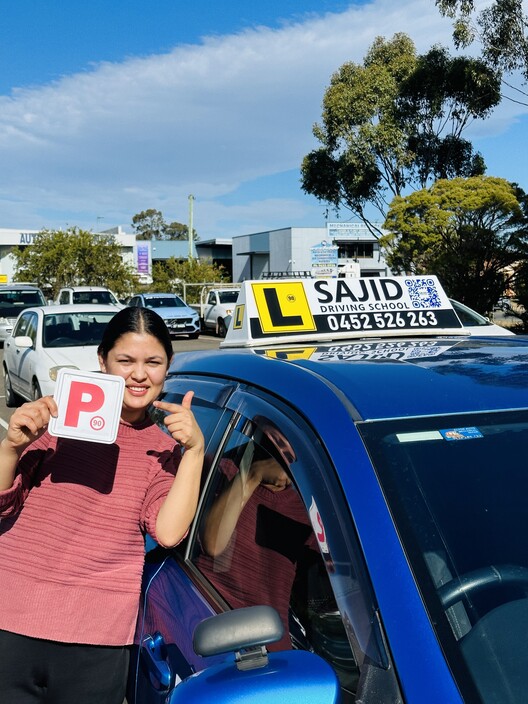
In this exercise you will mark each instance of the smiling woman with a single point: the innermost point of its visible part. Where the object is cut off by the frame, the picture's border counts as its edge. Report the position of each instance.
(79, 621)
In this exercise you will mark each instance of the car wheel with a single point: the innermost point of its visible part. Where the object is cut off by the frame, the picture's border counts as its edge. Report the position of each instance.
(221, 327)
(11, 399)
(36, 393)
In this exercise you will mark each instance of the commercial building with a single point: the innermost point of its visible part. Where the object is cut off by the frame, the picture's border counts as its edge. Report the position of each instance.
(13, 238)
(284, 251)
(289, 250)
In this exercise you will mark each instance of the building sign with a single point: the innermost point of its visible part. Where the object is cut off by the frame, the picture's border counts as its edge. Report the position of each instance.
(331, 308)
(348, 230)
(27, 237)
(143, 258)
(324, 260)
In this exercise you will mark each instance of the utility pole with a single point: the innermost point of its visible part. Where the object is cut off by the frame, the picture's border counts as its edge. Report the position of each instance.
(191, 199)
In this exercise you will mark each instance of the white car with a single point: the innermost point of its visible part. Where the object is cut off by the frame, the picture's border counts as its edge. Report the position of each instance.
(477, 324)
(45, 339)
(87, 294)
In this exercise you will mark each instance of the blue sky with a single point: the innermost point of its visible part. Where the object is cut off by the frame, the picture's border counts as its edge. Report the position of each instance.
(110, 107)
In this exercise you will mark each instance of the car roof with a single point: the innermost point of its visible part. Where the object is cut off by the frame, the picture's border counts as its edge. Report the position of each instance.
(84, 288)
(73, 308)
(409, 372)
(18, 287)
(459, 376)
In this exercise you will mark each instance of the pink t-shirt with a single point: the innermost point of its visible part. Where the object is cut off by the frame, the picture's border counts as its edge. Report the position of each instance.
(72, 534)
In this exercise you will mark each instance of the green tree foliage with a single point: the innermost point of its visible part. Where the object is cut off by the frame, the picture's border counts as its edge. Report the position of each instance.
(73, 257)
(395, 123)
(150, 224)
(169, 276)
(467, 231)
(500, 27)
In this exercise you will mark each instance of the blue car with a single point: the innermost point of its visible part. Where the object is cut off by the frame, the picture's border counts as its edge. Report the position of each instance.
(361, 531)
(180, 318)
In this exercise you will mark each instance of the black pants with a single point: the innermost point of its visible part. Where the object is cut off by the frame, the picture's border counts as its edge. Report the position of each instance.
(34, 671)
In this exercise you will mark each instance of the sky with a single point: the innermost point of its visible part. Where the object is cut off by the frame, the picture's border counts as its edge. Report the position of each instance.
(111, 107)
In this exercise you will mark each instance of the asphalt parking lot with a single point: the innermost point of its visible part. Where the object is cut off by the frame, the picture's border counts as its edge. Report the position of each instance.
(204, 342)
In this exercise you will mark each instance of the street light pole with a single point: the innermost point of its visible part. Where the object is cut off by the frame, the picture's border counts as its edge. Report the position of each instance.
(191, 199)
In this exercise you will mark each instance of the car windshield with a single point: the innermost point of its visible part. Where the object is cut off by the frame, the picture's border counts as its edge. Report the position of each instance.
(469, 317)
(74, 329)
(460, 509)
(13, 301)
(228, 296)
(104, 297)
(164, 302)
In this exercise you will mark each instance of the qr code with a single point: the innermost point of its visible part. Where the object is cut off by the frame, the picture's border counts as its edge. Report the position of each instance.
(423, 293)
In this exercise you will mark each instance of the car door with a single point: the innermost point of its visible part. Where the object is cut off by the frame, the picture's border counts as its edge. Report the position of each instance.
(28, 358)
(274, 552)
(168, 608)
(20, 358)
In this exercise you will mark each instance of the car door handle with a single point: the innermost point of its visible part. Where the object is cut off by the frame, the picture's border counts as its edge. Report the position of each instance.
(154, 658)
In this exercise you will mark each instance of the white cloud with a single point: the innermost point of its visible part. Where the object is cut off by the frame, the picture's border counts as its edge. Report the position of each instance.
(202, 119)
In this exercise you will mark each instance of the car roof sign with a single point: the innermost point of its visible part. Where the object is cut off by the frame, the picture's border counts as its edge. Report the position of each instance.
(301, 310)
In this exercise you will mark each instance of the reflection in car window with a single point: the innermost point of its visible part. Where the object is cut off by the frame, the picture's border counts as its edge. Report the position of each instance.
(164, 302)
(13, 301)
(256, 545)
(75, 329)
(228, 296)
(104, 297)
(21, 326)
(32, 327)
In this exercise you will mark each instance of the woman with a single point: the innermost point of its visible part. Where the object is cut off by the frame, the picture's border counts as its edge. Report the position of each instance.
(73, 516)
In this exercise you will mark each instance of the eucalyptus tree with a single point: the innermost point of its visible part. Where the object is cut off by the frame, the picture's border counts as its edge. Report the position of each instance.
(394, 124)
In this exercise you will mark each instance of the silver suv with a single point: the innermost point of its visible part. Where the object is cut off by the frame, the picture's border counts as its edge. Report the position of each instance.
(179, 318)
(15, 298)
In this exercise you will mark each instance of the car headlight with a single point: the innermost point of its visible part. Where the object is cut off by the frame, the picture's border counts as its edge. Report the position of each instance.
(4, 321)
(53, 371)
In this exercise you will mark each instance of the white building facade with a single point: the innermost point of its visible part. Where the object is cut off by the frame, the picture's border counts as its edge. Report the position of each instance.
(12, 238)
(288, 250)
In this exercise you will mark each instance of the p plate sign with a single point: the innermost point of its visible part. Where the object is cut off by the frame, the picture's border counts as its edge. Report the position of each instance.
(89, 405)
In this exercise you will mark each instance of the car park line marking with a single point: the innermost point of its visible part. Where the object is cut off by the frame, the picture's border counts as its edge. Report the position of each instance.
(3, 422)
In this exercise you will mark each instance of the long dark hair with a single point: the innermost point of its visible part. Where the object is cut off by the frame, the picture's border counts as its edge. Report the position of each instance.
(138, 320)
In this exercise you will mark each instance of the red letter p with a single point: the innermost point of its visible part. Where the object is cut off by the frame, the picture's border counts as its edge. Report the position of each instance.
(77, 401)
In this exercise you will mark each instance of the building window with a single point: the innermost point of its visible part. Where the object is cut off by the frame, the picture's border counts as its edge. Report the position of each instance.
(355, 250)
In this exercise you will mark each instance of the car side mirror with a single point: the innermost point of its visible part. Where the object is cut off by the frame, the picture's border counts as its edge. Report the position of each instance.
(23, 341)
(288, 677)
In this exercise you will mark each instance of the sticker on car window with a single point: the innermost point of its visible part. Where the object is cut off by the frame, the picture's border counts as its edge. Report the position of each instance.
(470, 433)
(418, 436)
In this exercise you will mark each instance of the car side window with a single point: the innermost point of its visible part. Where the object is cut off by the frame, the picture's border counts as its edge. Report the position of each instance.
(255, 543)
(32, 327)
(21, 325)
(211, 300)
(64, 298)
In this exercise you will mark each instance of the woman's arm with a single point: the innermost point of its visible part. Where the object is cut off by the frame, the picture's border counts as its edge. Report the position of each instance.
(179, 506)
(26, 424)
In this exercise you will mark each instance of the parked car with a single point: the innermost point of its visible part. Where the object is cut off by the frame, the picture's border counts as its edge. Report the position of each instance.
(401, 560)
(477, 324)
(178, 316)
(14, 298)
(504, 303)
(216, 307)
(87, 294)
(48, 338)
